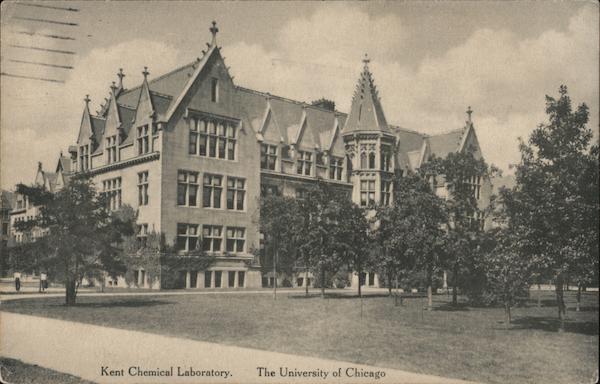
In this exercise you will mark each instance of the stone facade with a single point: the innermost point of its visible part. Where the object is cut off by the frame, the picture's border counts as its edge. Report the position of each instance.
(192, 152)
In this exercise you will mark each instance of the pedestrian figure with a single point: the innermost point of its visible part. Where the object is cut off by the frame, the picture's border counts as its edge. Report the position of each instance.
(17, 276)
(43, 282)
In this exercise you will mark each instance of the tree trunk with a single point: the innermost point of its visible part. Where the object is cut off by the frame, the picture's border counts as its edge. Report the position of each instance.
(359, 287)
(429, 289)
(275, 257)
(322, 283)
(306, 282)
(390, 283)
(578, 297)
(560, 301)
(507, 312)
(454, 286)
(71, 292)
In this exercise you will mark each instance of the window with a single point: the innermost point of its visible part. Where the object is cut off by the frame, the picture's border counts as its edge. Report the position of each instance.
(84, 157)
(268, 156)
(212, 237)
(268, 190)
(386, 192)
(473, 183)
(142, 235)
(112, 191)
(372, 160)
(319, 159)
(304, 163)
(207, 278)
(241, 278)
(154, 137)
(111, 149)
(212, 138)
(143, 140)
(235, 240)
(235, 193)
(335, 168)
(218, 275)
(476, 221)
(214, 90)
(385, 158)
(187, 188)
(211, 195)
(301, 193)
(231, 279)
(187, 237)
(143, 188)
(363, 161)
(367, 192)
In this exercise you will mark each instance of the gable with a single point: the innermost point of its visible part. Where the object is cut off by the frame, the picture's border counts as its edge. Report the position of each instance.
(470, 143)
(85, 129)
(198, 90)
(270, 130)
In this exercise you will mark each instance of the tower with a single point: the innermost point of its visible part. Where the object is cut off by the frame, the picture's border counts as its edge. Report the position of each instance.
(369, 144)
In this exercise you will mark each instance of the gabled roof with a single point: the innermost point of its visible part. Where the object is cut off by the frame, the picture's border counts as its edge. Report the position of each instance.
(441, 145)
(366, 112)
(64, 163)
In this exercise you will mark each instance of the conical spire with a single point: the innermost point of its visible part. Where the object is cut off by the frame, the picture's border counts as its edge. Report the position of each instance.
(366, 113)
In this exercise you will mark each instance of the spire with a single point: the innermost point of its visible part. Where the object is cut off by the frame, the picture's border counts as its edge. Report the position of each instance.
(214, 30)
(120, 75)
(366, 112)
(469, 112)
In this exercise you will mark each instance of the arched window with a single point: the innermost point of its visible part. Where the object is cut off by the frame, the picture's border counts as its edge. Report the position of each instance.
(372, 160)
(363, 160)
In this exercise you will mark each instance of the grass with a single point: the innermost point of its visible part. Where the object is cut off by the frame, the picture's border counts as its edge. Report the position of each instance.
(460, 342)
(18, 372)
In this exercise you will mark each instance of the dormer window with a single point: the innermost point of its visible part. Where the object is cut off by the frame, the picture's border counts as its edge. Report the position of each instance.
(111, 149)
(84, 157)
(214, 90)
(143, 140)
(304, 164)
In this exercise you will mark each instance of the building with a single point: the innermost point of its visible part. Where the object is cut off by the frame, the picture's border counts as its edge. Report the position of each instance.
(192, 152)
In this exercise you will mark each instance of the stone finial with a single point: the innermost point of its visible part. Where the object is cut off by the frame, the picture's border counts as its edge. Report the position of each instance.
(114, 87)
(469, 112)
(366, 60)
(145, 73)
(214, 30)
(87, 100)
(120, 75)
(39, 165)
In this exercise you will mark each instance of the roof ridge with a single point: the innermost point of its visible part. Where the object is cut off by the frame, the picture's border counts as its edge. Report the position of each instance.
(128, 90)
(160, 94)
(449, 132)
(126, 106)
(407, 130)
(302, 103)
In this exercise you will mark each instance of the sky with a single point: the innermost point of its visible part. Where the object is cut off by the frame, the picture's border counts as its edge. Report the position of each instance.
(430, 60)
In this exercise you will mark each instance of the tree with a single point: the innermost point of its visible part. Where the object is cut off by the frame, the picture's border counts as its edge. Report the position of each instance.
(323, 235)
(353, 229)
(424, 218)
(555, 199)
(79, 236)
(279, 222)
(506, 270)
(460, 173)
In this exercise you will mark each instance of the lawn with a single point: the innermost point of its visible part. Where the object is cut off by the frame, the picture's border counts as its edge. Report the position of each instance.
(17, 372)
(464, 342)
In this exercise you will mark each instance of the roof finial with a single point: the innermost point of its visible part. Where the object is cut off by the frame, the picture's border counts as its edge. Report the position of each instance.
(145, 72)
(39, 165)
(366, 60)
(214, 31)
(469, 112)
(121, 75)
(87, 100)
(114, 87)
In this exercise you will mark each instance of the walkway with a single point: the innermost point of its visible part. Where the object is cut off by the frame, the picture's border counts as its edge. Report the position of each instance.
(108, 355)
